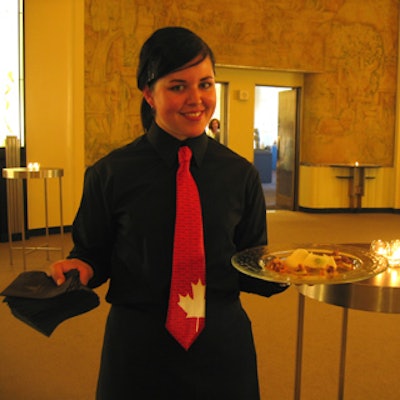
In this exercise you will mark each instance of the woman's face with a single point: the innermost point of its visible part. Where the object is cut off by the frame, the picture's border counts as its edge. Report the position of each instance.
(184, 101)
(214, 125)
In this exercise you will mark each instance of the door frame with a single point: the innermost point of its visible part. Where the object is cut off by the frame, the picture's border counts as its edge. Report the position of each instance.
(296, 155)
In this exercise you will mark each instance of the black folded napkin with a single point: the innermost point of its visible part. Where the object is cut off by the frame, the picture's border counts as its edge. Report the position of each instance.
(35, 299)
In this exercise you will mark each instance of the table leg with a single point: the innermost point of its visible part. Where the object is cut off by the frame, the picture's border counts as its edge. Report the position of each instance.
(342, 366)
(23, 232)
(9, 222)
(16, 216)
(61, 219)
(46, 216)
(299, 348)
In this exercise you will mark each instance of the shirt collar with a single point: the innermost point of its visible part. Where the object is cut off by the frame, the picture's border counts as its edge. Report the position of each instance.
(167, 146)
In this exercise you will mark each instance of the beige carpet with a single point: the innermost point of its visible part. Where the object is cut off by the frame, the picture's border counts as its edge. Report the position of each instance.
(270, 192)
(64, 367)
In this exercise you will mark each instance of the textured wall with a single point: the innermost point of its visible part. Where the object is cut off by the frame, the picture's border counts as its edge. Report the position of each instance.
(348, 48)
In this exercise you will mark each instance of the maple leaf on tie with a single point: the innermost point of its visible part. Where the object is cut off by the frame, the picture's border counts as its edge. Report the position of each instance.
(194, 306)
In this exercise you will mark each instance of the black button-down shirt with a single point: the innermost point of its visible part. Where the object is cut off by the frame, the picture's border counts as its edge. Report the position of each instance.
(125, 224)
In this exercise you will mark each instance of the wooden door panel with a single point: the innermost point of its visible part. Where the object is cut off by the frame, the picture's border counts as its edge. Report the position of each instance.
(286, 159)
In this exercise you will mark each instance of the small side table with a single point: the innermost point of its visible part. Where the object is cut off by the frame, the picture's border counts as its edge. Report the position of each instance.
(356, 178)
(39, 173)
(380, 293)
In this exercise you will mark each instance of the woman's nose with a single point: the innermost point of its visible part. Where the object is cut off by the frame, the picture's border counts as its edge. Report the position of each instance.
(194, 96)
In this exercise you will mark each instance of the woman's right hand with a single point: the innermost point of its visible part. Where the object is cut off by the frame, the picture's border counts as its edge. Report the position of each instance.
(59, 268)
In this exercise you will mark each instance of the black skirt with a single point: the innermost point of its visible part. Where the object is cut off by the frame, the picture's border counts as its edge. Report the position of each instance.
(141, 360)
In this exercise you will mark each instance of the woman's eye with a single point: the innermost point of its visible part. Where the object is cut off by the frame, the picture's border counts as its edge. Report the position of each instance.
(177, 88)
(206, 85)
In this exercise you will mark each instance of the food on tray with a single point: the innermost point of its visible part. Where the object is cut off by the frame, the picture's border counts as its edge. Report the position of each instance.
(304, 262)
(309, 259)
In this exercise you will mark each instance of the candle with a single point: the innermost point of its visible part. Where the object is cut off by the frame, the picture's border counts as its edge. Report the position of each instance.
(395, 252)
(33, 166)
(379, 247)
(389, 250)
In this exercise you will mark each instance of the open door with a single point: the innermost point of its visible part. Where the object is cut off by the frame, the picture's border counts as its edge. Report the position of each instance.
(286, 167)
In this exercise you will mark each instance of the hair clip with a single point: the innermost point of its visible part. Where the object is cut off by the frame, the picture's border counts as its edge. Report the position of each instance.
(150, 77)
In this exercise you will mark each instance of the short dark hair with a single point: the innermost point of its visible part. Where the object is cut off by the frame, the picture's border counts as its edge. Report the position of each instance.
(211, 122)
(167, 50)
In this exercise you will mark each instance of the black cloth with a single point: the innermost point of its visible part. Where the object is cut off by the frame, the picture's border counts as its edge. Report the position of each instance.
(124, 230)
(35, 299)
(216, 367)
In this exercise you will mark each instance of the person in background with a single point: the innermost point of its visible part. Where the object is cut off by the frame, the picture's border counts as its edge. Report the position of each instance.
(274, 155)
(214, 129)
(124, 232)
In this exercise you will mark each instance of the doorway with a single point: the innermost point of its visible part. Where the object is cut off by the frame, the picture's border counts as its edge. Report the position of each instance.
(275, 144)
(220, 112)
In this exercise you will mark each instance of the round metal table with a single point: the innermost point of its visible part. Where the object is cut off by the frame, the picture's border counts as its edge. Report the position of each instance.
(21, 173)
(378, 294)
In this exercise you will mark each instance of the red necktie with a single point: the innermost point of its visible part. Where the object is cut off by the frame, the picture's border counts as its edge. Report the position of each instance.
(186, 311)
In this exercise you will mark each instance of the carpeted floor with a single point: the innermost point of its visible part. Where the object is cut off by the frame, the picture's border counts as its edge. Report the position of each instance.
(270, 192)
(64, 366)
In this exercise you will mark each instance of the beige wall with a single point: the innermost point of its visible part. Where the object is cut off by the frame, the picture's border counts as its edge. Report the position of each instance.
(347, 48)
(54, 103)
(81, 99)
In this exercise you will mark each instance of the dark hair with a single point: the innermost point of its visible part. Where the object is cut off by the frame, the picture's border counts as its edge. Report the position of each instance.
(167, 50)
(211, 122)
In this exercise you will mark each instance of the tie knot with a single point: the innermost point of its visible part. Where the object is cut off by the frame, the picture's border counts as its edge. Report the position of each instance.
(184, 154)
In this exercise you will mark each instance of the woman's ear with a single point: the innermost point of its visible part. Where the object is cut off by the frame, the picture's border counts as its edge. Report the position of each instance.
(148, 96)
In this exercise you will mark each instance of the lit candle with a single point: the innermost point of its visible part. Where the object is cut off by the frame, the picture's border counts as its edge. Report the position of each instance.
(389, 250)
(394, 252)
(379, 247)
(394, 277)
(33, 166)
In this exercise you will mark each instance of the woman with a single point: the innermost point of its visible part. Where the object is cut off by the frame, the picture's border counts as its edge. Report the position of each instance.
(123, 233)
(214, 129)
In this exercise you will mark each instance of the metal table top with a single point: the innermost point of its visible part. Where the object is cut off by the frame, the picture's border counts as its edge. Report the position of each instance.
(380, 293)
(28, 173)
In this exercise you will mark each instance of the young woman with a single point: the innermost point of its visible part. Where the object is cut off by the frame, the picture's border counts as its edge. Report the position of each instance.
(214, 129)
(124, 229)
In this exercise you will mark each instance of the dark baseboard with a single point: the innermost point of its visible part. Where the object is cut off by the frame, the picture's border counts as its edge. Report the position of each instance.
(54, 230)
(350, 210)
